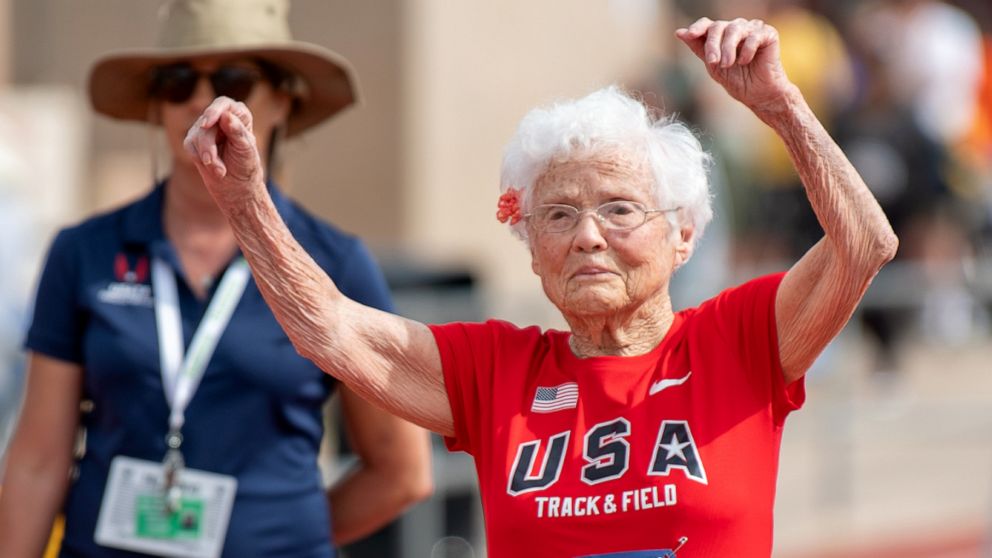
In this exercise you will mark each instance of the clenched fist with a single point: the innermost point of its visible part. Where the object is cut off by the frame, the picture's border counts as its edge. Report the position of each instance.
(225, 152)
(742, 56)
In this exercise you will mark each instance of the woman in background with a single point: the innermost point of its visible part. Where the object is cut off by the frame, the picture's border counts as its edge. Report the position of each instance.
(150, 313)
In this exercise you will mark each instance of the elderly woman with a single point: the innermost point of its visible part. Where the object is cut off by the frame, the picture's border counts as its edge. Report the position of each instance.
(641, 430)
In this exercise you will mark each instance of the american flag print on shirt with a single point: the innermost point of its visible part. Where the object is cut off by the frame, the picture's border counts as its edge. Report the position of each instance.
(557, 398)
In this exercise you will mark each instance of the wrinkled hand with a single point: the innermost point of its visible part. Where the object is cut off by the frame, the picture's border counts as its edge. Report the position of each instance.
(223, 147)
(742, 56)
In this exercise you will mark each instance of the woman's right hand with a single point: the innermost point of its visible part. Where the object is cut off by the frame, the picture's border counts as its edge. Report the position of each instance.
(225, 153)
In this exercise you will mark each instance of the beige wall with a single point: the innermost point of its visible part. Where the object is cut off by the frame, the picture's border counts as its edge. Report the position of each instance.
(348, 170)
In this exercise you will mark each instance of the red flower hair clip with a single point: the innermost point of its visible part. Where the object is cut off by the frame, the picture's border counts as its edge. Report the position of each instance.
(509, 207)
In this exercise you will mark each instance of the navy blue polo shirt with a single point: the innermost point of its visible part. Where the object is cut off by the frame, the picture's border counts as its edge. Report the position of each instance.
(257, 412)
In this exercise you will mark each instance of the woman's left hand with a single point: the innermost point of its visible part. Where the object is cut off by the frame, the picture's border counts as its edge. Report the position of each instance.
(742, 56)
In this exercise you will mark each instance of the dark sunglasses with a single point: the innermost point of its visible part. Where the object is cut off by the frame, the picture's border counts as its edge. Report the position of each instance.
(176, 83)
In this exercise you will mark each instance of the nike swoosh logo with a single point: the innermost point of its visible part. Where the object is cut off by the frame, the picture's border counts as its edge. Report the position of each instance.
(661, 385)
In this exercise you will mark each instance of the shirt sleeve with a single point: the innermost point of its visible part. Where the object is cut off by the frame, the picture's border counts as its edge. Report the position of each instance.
(468, 360)
(58, 321)
(747, 316)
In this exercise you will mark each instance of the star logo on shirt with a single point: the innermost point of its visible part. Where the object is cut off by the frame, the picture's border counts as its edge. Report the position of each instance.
(675, 448)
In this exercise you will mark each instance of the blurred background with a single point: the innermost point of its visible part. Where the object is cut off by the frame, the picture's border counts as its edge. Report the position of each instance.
(892, 455)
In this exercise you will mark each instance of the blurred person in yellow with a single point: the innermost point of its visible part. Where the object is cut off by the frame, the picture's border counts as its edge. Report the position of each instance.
(204, 423)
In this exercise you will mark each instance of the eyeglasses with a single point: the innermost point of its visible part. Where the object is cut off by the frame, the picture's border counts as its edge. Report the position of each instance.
(618, 215)
(176, 83)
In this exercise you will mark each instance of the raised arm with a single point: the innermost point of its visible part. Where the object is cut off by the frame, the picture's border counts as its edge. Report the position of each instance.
(392, 362)
(821, 291)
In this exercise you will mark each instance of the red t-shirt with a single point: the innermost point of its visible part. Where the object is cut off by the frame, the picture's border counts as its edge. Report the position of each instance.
(621, 454)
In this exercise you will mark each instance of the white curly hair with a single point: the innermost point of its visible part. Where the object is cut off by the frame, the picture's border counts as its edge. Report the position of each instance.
(602, 124)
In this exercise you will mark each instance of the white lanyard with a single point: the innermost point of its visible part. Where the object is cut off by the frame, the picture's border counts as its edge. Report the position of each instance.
(181, 376)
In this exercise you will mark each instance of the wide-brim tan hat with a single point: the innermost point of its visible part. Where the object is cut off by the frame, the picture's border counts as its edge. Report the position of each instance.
(119, 81)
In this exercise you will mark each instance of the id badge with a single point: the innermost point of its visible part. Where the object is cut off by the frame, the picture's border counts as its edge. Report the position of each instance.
(134, 515)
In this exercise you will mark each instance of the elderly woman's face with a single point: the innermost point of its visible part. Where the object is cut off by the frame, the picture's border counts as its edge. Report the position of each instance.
(591, 270)
(269, 107)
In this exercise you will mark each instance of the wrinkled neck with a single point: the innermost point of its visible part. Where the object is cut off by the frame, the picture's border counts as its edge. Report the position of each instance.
(631, 332)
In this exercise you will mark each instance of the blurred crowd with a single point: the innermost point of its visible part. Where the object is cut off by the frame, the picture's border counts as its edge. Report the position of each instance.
(905, 87)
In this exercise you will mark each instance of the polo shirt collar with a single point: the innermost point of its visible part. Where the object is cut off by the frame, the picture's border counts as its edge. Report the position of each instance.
(143, 227)
(142, 222)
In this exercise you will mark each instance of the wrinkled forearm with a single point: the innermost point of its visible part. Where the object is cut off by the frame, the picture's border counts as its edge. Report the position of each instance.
(389, 361)
(305, 301)
(299, 293)
(852, 220)
(820, 292)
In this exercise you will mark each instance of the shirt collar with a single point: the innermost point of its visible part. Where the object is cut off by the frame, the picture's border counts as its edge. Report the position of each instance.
(143, 226)
(143, 219)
